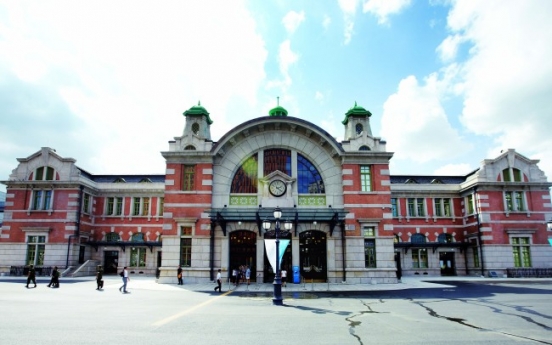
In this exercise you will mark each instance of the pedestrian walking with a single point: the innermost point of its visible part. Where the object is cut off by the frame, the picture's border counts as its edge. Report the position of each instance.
(247, 274)
(99, 278)
(31, 276)
(54, 281)
(284, 276)
(219, 282)
(126, 279)
(179, 276)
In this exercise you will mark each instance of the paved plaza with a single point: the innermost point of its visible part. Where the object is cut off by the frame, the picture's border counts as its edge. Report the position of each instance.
(424, 310)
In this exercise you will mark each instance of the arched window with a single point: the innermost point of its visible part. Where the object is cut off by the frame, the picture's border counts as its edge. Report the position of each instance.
(137, 237)
(364, 148)
(308, 179)
(119, 180)
(277, 159)
(112, 237)
(44, 174)
(444, 238)
(511, 175)
(195, 128)
(359, 128)
(245, 179)
(417, 239)
(189, 148)
(145, 180)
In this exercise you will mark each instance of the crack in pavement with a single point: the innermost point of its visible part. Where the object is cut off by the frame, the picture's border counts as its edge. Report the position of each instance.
(464, 323)
(353, 324)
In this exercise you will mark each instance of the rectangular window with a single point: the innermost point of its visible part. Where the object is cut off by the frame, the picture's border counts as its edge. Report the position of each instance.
(442, 207)
(416, 207)
(109, 206)
(86, 203)
(49, 174)
(137, 257)
(145, 206)
(365, 178)
(394, 207)
(522, 251)
(35, 250)
(475, 257)
(369, 253)
(438, 207)
(119, 206)
(161, 206)
(514, 201)
(419, 258)
(39, 176)
(420, 206)
(186, 252)
(188, 177)
(42, 200)
(136, 206)
(469, 204)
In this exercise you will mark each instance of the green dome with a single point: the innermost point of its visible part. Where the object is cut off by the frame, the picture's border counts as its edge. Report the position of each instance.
(278, 111)
(198, 110)
(356, 110)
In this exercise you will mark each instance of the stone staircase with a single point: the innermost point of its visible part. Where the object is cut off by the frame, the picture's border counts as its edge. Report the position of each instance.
(85, 270)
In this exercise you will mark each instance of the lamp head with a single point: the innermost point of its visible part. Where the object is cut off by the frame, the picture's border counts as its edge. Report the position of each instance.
(277, 213)
(266, 224)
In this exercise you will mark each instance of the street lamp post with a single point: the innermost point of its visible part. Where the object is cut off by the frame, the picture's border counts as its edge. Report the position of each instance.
(278, 299)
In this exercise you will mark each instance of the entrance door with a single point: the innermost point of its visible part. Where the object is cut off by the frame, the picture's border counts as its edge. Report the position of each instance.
(446, 261)
(313, 258)
(81, 254)
(269, 274)
(158, 271)
(398, 264)
(111, 261)
(243, 251)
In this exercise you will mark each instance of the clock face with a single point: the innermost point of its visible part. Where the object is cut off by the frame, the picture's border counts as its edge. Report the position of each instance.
(277, 188)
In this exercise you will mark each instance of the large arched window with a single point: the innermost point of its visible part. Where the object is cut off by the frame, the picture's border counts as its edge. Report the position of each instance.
(309, 180)
(245, 179)
(418, 239)
(112, 237)
(277, 159)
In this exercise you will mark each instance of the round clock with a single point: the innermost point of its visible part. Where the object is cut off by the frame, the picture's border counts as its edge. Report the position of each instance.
(277, 188)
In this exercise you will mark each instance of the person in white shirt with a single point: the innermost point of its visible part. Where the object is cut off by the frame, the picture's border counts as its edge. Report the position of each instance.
(284, 277)
(219, 282)
(126, 279)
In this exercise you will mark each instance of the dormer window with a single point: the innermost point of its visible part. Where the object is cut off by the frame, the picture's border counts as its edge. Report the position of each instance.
(410, 181)
(145, 180)
(119, 180)
(189, 148)
(436, 181)
(44, 174)
(364, 148)
(511, 175)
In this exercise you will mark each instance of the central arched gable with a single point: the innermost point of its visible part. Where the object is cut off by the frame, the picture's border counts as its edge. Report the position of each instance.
(294, 134)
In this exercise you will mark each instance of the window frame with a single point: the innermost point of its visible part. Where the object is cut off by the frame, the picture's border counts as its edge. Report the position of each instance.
(365, 174)
(370, 253)
(185, 257)
(42, 200)
(36, 246)
(521, 251)
(188, 177)
(138, 257)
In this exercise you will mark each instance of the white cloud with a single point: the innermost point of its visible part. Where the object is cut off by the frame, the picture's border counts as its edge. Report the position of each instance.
(384, 8)
(125, 68)
(286, 58)
(454, 169)
(326, 22)
(415, 124)
(449, 47)
(319, 96)
(292, 20)
(348, 7)
(507, 78)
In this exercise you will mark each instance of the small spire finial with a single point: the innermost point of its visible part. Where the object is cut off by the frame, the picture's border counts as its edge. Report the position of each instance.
(199, 103)
(278, 100)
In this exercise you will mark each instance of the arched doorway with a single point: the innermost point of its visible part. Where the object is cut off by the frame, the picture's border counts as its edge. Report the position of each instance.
(312, 250)
(243, 251)
(286, 259)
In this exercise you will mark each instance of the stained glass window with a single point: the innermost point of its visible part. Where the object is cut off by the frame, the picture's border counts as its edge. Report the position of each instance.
(309, 179)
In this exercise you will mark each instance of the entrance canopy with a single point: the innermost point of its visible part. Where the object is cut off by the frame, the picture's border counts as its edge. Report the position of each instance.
(221, 216)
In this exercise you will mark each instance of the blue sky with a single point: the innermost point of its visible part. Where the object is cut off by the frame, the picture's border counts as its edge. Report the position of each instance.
(105, 82)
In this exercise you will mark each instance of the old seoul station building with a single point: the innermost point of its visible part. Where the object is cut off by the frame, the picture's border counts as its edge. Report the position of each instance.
(348, 219)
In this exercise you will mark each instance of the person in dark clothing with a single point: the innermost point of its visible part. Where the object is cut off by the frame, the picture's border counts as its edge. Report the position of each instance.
(31, 276)
(99, 278)
(54, 281)
(179, 276)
